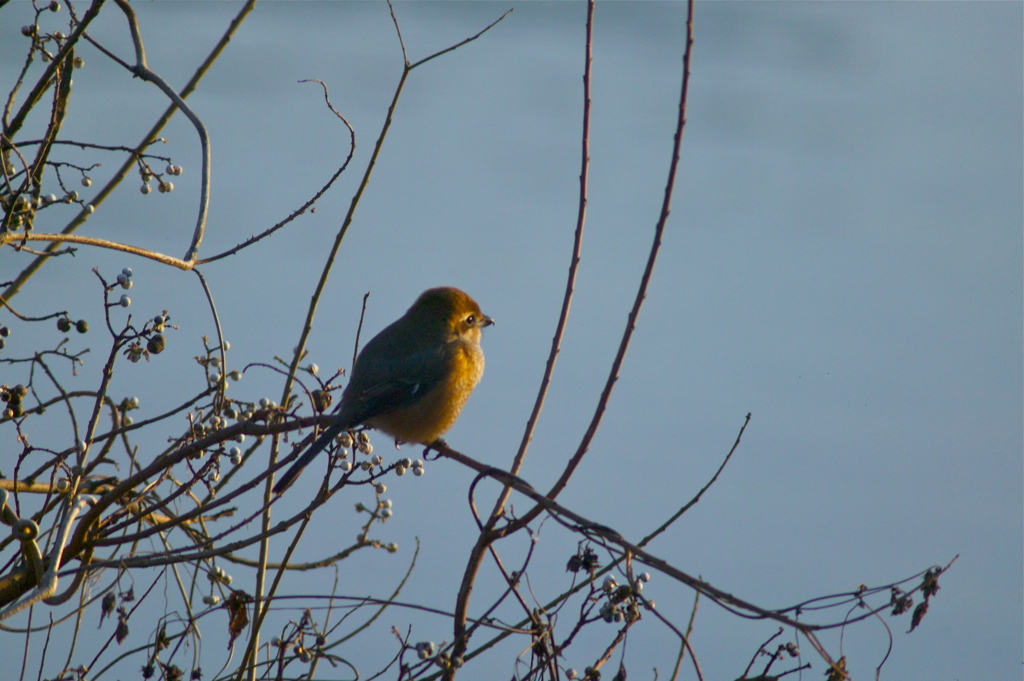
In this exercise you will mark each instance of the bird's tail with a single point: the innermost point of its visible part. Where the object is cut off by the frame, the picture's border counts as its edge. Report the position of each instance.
(318, 445)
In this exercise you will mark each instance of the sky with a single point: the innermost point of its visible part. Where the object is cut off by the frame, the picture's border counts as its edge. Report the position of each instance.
(843, 261)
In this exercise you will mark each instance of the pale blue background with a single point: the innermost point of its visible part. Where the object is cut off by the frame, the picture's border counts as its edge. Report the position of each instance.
(844, 260)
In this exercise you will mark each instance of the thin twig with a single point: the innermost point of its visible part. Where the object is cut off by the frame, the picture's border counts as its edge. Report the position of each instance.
(460, 44)
(688, 505)
(359, 329)
(308, 204)
(485, 540)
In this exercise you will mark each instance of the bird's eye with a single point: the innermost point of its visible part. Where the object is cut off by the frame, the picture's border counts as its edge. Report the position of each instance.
(471, 319)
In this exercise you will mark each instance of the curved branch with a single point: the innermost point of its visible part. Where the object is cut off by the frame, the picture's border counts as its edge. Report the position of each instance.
(47, 587)
(142, 70)
(57, 239)
(316, 197)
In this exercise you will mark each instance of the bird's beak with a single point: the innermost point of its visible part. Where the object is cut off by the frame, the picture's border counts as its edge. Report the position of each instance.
(485, 321)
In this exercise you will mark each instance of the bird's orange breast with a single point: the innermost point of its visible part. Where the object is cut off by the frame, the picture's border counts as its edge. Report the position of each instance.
(430, 417)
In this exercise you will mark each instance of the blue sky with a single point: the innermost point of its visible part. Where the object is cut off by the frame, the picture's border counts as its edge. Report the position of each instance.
(843, 260)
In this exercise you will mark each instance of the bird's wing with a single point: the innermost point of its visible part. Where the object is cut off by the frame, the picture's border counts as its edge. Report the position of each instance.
(377, 388)
(382, 388)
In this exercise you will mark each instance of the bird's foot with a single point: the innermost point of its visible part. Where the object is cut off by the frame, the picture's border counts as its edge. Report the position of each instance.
(436, 445)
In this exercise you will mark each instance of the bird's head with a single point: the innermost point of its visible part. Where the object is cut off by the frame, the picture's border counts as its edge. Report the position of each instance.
(452, 310)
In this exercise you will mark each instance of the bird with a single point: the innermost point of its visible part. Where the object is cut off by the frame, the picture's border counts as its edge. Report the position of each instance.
(413, 378)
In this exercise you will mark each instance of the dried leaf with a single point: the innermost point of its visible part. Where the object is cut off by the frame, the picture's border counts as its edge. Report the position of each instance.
(121, 633)
(837, 672)
(107, 606)
(238, 614)
(919, 612)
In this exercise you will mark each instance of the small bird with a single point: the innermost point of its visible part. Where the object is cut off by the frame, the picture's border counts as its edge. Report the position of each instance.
(412, 379)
